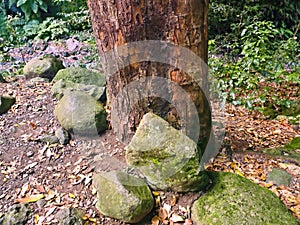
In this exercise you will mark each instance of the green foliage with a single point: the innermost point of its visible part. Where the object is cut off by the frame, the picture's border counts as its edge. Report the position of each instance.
(31, 8)
(254, 52)
(50, 28)
(227, 19)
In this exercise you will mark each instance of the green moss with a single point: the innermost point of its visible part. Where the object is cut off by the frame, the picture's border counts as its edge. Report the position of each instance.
(294, 144)
(123, 196)
(80, 75)
(235, 200)
(285, 153)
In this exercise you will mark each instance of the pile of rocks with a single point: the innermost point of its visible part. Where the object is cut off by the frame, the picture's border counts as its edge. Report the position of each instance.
(159, 157)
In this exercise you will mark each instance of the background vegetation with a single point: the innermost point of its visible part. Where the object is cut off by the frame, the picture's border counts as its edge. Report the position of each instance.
(253, 48)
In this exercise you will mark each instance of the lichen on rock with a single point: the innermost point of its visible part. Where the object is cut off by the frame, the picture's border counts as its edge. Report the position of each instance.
(233, 199)
(45, 66)
(122, 196)
(166, 157)
(80, 113)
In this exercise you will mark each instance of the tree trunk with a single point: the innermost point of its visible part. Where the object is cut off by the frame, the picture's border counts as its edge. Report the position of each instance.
(140, 87)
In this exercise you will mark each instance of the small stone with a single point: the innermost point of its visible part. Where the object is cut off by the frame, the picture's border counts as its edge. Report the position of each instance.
(279, 177)
(48, 139)
(70, 216)
(5, 103)
(63, 136)
(41, 203)
(29, 153)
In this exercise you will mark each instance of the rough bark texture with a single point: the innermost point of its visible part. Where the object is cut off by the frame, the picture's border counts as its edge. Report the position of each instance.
(183, 23)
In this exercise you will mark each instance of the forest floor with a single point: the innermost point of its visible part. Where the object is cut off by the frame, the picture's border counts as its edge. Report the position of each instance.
(61, 176)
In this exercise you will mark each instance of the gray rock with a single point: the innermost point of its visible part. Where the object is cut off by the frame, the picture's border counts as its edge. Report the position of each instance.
(80, 113)
(62, 86)
(169, 159)
(279, 177)
(63, 136)
(70, 216)
(45, 66)
(81, 76)
(122, 196)
(48, 139)
(233, 199)
(5, 103)
(39, 79)
(16, 215)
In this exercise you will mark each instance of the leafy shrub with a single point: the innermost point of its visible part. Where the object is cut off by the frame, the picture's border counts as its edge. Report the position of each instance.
(261, 73)
(31, 8)
(227, 19)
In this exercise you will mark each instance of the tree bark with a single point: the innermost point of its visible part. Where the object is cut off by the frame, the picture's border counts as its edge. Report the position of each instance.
(183, 23)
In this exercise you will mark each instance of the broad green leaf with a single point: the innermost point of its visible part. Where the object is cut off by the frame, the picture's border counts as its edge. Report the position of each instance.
(21, 2)
(34, 7)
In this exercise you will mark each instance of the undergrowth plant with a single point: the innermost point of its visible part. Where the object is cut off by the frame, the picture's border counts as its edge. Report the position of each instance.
(32, 9)
(262, 72)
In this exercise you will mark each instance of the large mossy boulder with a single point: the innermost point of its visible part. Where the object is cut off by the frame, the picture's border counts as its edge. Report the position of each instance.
(81, 76)
(81, 114)
(45, 66)
(122, 196)
(81, 79)
(63, 86)
(5, 103)
(233, 199)
(166, 157)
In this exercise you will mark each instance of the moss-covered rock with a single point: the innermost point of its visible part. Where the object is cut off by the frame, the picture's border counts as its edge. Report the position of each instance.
(294, 144)
(63, 86)
(80, 113)
(169, 159)
(16, 215)
(5, 103)
(122, 196)
(293, 110)
(279, 177)
(45, 66)
(70, 216)
(81, 76)
(235, 200)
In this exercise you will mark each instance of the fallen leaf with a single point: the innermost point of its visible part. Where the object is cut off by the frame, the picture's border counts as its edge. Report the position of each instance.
(155, 220)
(32, 198)
(176, 218)
(173, 200)
(71, 195)
(162, 214)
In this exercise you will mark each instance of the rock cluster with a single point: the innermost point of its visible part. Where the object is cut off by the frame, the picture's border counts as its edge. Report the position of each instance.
(80, 109)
